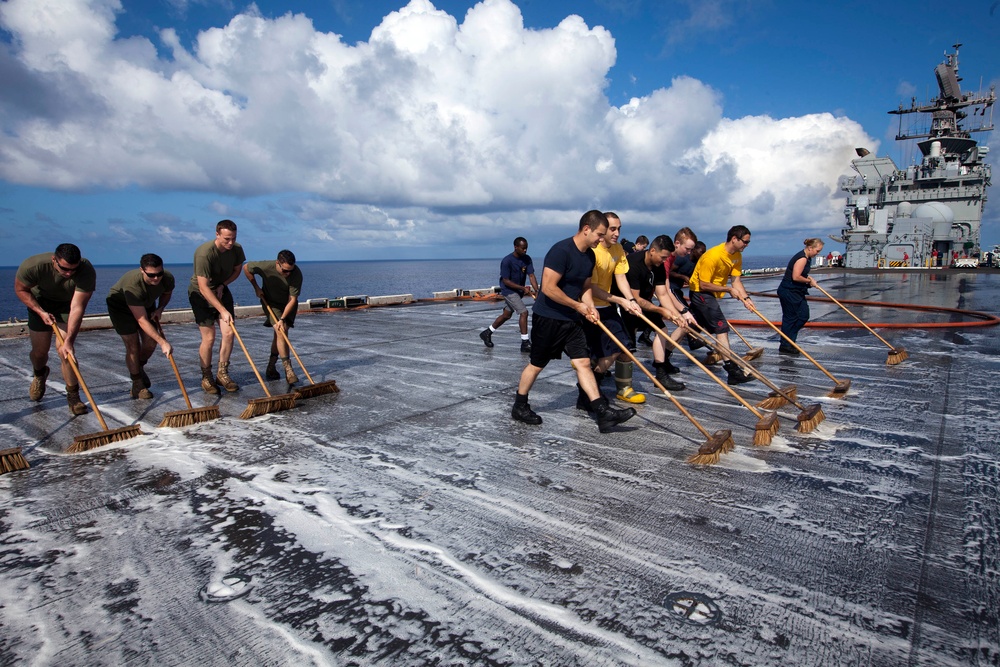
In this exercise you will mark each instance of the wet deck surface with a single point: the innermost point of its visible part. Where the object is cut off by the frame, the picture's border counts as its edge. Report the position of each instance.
(408, 521)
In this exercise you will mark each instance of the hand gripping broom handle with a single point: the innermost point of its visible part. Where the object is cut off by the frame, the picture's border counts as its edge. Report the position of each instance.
(232, 325)
(700, 365)
(847, 310)
(288, 342)
(793, 344)
(655, 381)
(79, 377)
(180, 383)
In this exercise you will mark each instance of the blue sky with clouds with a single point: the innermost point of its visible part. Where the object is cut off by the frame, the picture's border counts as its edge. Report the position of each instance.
(369, 129)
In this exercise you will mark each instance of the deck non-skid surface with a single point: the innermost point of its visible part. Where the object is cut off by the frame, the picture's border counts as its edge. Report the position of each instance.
(409, 521)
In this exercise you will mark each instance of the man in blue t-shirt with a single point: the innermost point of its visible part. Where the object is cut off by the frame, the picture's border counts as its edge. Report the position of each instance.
(564, 299)
(515, 270)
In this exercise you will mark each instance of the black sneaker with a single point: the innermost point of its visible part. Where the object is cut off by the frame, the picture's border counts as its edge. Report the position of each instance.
(608, 416)
(522, 412)
(526, 346)
(784, 349)
(487, 337)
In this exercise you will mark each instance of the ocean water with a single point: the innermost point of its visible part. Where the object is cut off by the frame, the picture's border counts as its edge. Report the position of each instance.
(421, 278)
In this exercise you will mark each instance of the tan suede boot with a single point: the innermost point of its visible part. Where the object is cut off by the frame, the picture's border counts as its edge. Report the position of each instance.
(223, 379)
(37, 389)
(207, 381)
(290, 376)
(138, 389)
(76, 406)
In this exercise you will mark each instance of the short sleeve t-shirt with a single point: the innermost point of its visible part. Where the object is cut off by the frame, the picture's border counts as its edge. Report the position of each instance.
(716, 266)
(278, 288)
(515, 269)
(216, 265)
(38, 273)
(132, 290)
(575, 268)
(609, 262)
(641, 278)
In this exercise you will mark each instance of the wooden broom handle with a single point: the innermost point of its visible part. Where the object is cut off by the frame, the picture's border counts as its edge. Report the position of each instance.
(232, 325)
(847, 310)
(177, 373)
(655, 381)
(79, 377)
(288, 342)
(793, 343)
(700, 365)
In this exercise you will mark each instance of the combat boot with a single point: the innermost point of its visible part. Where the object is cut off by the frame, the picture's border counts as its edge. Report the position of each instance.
(663, 377)
(271, 372)
(37, 389)
(522, 412)
(290, 376)
(487, 337)
(608, 416)
(582, 401)
(525, 345)
(736, 374)
(138, 389)
(223, 380)
(207, 381)
(76, 406)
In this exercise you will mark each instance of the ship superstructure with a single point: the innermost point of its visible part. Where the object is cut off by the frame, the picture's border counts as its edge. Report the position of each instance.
(929, 213)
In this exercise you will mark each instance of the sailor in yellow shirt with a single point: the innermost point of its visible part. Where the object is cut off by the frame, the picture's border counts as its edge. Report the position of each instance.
(611, 265)
(717, 267)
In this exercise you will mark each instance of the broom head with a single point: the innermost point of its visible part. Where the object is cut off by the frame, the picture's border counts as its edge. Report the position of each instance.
(180, 418)
(840, 389)
(12, 459)
(809, 419)
(83, 443)
(713, 358)
(776, 399)
(318, 389)
(896, 355)
(765, 429)
(268, 404)
(754, 353)
(709, 453)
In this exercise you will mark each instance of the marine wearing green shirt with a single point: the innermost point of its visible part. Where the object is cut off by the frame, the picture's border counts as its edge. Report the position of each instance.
(280, 298)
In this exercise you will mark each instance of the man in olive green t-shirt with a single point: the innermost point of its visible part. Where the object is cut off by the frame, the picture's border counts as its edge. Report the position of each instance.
(56, 289)
(135, 305)
(216, 264)
(282, 286)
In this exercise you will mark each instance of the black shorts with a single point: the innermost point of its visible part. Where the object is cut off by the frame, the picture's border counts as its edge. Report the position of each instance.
(122, 319)
(708, 313)
(204, 314)
(269, 322)
(58, 308)
(598, 342)
(633, 323)
(551, 337)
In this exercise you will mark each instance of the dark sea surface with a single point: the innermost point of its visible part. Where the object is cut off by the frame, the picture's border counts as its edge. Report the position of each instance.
(327, 279)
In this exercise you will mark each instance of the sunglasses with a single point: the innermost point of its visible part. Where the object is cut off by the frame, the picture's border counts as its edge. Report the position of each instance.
(285, 272)
(159, 274)
(745, 241)
(66, 269)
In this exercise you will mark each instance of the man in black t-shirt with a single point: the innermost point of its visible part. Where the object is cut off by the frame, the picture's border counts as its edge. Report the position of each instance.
(565, 299)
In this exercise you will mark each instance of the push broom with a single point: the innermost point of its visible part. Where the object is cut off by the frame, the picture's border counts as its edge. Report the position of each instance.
(896, 354)
(12, 459)
(262, 406)
(312, 389)
(753, 352)
(192, 415)
(775, 399)
(83, 443)
(767, 425)
(716, 444)
(808, 418)
(840, 386)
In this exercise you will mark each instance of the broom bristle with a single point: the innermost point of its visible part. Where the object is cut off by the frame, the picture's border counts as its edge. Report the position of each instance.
(262, 406)
(840, 389)
(181, 418)
(765, 429)
(83, 443)
(772, 402)
(12, 459)
(713, 449)
(810, 418)
(896, 355)
(762, 437)
(754, 353)
(713, 358)
(704, 459)
(318, 389)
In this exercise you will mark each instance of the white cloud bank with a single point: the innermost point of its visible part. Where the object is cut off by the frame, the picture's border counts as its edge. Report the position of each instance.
(427, 123)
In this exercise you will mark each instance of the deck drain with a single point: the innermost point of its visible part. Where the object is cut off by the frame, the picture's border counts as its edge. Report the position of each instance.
(693, 608)
(231, 587)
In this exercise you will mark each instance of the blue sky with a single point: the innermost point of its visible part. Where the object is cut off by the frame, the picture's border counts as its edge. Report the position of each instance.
(368, 129)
